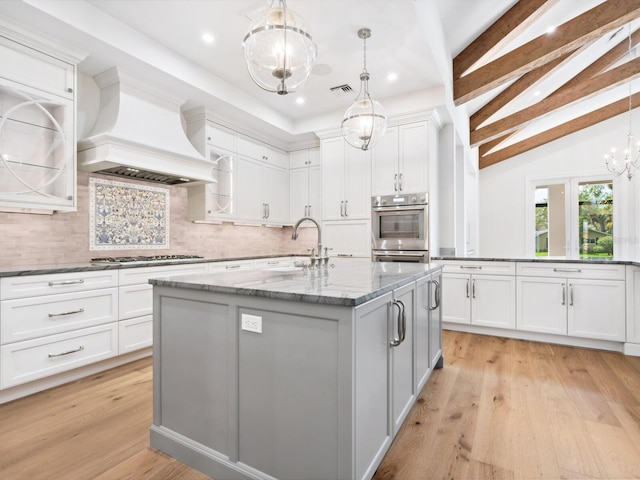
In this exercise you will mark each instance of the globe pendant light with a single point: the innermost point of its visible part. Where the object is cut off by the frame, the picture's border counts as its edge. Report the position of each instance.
(279, 50)
(365, 121)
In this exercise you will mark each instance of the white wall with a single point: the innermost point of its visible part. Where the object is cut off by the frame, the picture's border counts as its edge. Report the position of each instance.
(503, 187)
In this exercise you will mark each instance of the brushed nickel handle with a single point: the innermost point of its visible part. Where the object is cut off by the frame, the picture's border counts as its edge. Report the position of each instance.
(345, 255)
(400, 186)
(567, 270)
(401, 324)
(342, 208)
(79, 349)
(571, 295)
(436, 295)
(65, 282)
(395, 182)
(564, 295)
(471, 267)
(80, 310)
(467, 288)
(346, 208)
(473, 288)
(228, 267)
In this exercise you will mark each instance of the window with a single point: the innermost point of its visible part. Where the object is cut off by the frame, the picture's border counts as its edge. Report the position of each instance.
(573, 218)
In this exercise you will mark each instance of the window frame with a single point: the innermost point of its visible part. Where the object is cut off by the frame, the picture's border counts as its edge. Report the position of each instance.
(571, 184)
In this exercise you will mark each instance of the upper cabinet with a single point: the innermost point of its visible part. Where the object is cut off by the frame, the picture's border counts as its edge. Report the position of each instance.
(305, 184)
(346, 181)
(37, 124)
(400, 160)
(252, 178)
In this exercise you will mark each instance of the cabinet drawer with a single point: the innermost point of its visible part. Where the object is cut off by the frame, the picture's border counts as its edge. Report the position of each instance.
(571, 270)
(26, 318)
(230, 266)
(135, 333)
(131, 276)
(135, 300)
(37, 285)
(478, 267)
(23, 362)
(273, 262)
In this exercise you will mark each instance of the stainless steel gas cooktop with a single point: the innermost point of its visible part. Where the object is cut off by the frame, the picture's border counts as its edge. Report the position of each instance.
(142, 259)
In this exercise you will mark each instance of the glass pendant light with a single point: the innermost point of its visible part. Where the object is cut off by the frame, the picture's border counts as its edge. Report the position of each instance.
(279, 50)
(365, 121)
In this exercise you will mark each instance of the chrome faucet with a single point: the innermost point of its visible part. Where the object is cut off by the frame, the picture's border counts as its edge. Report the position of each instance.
(319, 259)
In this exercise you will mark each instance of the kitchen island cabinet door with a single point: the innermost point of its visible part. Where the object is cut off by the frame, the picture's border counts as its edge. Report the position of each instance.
(596, 309)
(542, 305)
(402, 355)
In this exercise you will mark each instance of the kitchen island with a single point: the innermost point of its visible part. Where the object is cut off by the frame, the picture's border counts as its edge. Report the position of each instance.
(292, 373)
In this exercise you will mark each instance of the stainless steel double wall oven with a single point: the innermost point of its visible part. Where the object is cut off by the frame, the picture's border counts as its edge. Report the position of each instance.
(400, 228)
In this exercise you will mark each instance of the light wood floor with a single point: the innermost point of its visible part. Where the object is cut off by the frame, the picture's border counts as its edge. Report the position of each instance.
(499, 409)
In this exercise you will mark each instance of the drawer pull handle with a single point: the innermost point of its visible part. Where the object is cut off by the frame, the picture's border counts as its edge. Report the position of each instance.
(232, 266)
(472, 267)
(567, 270)
(79, 349)
(80, 310)
(66, 282)
(345, 255)
(273, 263)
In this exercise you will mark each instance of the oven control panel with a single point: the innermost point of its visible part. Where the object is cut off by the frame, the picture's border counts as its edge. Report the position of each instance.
(404, 199)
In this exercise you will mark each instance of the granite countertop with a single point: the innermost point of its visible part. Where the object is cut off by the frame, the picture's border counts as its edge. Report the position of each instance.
(350, 282)
(87, 267)
(600, 261)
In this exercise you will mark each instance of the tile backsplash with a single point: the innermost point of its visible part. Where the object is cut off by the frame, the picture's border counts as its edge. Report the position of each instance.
(62, 238)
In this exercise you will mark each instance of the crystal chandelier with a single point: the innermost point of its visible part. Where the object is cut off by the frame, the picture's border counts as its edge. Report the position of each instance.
(365, 121)
(279, 50)
(630, 160)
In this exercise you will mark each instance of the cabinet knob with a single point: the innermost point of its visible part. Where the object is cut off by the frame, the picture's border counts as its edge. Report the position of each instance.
(70, 90)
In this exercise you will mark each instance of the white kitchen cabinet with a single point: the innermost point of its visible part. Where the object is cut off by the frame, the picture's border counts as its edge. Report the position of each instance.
(262, 192)
(428, 327)
(578, 300)
(348, 238)
(400, 161)
(248, 147)
(482, 298)
(213, 201)
(632, 346)
(346, 184)
(305, 185)
(37, 141)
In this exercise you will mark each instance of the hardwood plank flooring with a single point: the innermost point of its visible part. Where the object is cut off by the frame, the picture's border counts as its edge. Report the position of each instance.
(499, 409)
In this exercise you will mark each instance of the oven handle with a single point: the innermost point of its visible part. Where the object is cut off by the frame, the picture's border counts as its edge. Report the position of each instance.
(397, 254)
(399, 208)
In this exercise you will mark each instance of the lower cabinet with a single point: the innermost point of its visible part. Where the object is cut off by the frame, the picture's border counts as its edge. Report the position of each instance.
(577, 300)
(570, 306)
(428, 327)
(481, 298)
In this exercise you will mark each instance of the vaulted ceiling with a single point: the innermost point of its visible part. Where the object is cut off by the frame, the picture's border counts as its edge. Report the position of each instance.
(523, 91)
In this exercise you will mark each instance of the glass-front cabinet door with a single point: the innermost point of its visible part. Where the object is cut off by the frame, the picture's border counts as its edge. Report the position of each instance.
(37, 168)
(220, 193)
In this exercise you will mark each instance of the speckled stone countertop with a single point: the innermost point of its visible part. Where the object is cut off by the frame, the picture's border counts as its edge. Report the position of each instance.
(87, 267)
(350, 282)
(602, 261)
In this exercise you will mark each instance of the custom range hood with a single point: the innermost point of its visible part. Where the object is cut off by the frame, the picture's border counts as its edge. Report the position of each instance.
(138, 134)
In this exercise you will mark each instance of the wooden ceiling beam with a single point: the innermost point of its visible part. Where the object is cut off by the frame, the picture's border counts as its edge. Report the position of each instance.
(503, 30)
(580, 30)
(583, 90)
(515, 89)
(579, 123)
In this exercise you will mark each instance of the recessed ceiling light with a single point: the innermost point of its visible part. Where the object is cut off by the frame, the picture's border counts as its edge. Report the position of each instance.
(392, 77)
(207, 38)
(300, 101)
(536, 93)
(551, 28)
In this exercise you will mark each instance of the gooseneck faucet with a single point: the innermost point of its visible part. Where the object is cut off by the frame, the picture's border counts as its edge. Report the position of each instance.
(319, 258)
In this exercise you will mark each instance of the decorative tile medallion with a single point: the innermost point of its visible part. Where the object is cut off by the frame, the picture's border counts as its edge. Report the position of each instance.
(127, 216)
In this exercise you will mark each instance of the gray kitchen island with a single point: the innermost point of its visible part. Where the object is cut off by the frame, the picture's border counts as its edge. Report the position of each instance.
(292, 373)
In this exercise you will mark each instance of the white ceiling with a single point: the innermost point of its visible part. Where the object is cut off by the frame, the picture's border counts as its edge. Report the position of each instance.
(159, 41)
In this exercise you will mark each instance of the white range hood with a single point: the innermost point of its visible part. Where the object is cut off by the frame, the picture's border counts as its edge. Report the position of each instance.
(138, 134)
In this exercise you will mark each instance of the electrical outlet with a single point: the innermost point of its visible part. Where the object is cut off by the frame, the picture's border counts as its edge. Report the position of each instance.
(251, 323)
